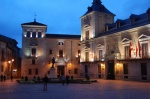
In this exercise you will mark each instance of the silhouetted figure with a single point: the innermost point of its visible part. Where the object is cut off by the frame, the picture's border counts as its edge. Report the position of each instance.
(2, 78)
(38, 78)
(34, 78)
(63, 79)
(11, 78)
(67, 79)
(26, 78)
(22, 78)
(45, 79)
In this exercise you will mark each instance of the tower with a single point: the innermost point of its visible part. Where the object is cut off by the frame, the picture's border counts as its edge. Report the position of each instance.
(33, 49)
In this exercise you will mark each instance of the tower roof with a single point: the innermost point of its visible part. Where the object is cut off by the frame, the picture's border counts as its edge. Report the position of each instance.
(97, 6)
(34, 23)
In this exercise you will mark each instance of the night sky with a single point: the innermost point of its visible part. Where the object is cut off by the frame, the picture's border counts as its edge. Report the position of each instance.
(61, 16)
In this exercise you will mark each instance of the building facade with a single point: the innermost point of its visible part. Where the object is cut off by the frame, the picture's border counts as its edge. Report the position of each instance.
(115, 50)
(38, 49)
(10, 60)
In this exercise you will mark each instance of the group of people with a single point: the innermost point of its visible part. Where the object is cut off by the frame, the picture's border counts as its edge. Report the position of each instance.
(3, 78)
(65, 79)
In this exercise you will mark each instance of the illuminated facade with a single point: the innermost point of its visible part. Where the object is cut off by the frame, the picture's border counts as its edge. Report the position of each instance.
(115, 50)
(38, 49)
(10, 60)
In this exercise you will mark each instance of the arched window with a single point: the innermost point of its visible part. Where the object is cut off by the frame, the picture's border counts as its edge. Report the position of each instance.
(28, 34)
(34, 35)
(39, 34)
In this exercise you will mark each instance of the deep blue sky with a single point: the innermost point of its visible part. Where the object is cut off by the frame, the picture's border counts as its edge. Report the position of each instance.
(61, 16)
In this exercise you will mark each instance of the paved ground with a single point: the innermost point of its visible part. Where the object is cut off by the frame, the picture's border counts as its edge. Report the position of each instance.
(104, 89)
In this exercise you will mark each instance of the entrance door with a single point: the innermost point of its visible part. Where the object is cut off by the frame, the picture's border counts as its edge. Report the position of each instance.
(60, 71)
(86, 70)
(110, 74)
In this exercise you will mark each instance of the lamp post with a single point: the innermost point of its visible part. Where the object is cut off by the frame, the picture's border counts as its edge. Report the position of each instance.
(11, 64)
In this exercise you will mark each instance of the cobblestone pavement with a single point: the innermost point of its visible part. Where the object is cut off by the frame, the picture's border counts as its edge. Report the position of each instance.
(104, 89)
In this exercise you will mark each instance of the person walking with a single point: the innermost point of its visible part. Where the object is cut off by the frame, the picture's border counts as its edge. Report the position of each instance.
(45, 79)
(11, 78)
(63, 79)
(67, 79)
(1, 78)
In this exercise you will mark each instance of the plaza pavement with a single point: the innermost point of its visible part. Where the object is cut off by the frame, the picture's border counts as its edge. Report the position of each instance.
(103, 89)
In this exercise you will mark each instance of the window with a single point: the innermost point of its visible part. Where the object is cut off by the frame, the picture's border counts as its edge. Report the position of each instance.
(36, 71)
(34, 35)
(125, 68)
(50, 51)
(39, 34)
(33, 51)
(75, 71)
(33, 61)
(30, 71)
(60, 53)
(143, 69)
(145, 50)
(2, 56)
(100, 54)
(87, 35)
(86, 56)
(61, 43)
(126, 50)
(28, 34)
(2, 68)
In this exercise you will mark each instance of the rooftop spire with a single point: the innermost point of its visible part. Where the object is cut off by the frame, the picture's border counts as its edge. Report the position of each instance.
(35, 17)
(96, 2)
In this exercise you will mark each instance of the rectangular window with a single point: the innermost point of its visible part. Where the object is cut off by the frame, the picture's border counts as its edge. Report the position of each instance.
(50, 51)
(126, 50)
(87, 35)
(145, 50)
(30, 71)
(143, 69)
(36, 71)
(75, 71)
(100, 54)
(33, 51)
(125, 68)
(60, 53)
(33, 61)
(86, 56)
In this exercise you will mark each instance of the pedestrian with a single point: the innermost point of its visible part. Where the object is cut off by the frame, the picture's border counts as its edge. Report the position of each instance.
(1, 77)
(4, 77)
(26, 78)
(45, 79)
(67, 79)
(11, 78)
(63, 79)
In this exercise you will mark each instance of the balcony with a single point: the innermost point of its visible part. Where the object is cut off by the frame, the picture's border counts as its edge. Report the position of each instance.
(134, 57)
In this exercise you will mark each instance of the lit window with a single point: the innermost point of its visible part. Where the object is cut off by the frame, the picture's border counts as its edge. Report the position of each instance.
(126, 50)
(100, 54)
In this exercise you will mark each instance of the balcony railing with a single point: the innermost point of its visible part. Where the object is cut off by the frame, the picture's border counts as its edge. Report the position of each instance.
(141, 56)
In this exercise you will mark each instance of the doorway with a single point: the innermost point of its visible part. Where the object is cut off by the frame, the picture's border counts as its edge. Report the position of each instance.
(111, 73)
(60, 70)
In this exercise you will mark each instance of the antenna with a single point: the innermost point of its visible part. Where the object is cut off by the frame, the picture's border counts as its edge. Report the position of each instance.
(35, 17)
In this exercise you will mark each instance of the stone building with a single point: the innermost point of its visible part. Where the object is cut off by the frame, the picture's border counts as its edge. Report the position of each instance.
(38, 49)
(10, 60)
(115, 50)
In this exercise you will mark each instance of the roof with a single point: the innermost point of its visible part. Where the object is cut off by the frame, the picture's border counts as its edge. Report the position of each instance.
(7, 39)
(97, 6)
(34, 23)
(63, 36)
(139, 20)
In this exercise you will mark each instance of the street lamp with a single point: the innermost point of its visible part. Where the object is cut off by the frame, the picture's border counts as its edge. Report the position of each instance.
(11, 64)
